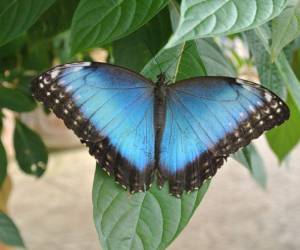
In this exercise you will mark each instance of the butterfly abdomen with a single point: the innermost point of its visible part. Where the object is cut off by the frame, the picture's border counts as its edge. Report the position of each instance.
(159, 117)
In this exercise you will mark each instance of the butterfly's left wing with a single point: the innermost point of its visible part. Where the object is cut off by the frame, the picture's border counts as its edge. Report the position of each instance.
(111, 110)
(208, 118)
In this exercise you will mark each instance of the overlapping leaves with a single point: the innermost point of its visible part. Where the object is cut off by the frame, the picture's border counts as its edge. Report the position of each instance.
(206, 18)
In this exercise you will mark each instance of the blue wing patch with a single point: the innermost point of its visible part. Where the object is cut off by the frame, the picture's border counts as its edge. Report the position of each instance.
(111, 110)
(207, 119)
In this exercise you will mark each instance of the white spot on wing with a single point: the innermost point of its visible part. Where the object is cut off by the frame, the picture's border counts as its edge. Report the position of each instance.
(268, 97)
(54, 74)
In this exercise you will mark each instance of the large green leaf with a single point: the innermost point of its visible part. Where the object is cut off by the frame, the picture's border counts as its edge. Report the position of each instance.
(30, 151)
(149, 220)
(204, 18)
(55, 20)
(284, 138)
(144, 43)
(16, 100)
(17, 16)
(3, 163)
(98, 22)
(283, 66)
(267, 71)
(285, 28)
(9, 233)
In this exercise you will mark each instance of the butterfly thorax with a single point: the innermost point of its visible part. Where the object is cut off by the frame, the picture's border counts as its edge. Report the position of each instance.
(161, 79)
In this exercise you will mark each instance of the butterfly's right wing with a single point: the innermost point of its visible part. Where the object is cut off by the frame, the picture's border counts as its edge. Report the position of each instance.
(208, 118)
(111, 110)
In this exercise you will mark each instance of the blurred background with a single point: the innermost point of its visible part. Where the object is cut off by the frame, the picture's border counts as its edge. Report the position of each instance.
(251, 206)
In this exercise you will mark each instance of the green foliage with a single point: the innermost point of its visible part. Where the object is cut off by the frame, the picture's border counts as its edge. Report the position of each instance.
(16, 100)
(9, 234)
(210, 18)
(149, 220)
(181, 38)
(17, 16)
(31, 153)
(141, 45)
(285, 28)
(97, 23)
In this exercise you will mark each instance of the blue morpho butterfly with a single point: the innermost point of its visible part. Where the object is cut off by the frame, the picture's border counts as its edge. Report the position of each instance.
(135, 128)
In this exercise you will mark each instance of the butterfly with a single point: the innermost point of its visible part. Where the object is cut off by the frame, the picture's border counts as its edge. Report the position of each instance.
(137, 129)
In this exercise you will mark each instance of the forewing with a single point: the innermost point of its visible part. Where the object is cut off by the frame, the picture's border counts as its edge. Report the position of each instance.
(111, 110)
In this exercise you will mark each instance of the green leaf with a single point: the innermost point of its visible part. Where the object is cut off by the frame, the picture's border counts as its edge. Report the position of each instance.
(285, 28)
(9, 233)
(205, 18)
(296, 63)
(268, 73)
(98, 22)
(251, 159)
(289, 78)
(284, 138)
(144, 43)
(149, 220)
(30, 151)
(10, 49)
(16, 100)
(18, 15)
(56, 19)
(3, 164)
(38, 56)
(284, 68)
(213, 59)
(179, 62)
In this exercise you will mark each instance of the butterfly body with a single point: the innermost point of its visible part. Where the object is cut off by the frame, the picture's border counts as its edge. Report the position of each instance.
(135, 128)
